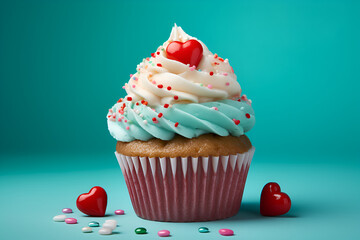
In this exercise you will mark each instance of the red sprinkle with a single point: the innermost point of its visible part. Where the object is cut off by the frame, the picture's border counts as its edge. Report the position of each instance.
(159, 65)
(176, 97)
(137, 104)
(129, 98)
(176, 124)
(247, 115)
(160, 86)
(169, 88)
(215, 55)
(236, 121)
(239, 100)
(120, 100)
(166, 105)
(160, 115)
(158, 53)
(221, 59)
(142, 101)
(211, 73)
(145, 103)
(154, 119)
(153, 55)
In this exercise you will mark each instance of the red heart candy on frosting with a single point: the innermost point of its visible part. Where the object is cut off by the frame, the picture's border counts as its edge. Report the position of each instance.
(93, 203)
(189, 52)
(273, 202)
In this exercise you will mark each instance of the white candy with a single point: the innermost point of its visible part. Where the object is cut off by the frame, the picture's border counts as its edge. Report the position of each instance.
(86, 229)
(59, 218)
(105, 231)
(111, 221)
(109, 225)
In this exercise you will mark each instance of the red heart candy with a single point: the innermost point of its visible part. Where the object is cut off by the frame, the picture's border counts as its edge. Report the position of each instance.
(273, 202)
(93, 203)
(189, 52)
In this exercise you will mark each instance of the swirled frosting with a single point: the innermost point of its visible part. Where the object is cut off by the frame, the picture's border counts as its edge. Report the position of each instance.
(167, 97)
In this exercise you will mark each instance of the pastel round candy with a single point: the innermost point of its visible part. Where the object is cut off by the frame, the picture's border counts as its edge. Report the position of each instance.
(67, 210)
(86, 229)
(109, 225)
(226, 232)
(93, 224)
(119, 212)
(70, 220)
(164, 233)
(203, 230)
(113, 221)
(140, 230)
(105, 231)
(59, 218)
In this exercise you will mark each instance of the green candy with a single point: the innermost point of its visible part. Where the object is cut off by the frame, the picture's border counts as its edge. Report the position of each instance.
(93, 224)
(140, 230)
(203, 230)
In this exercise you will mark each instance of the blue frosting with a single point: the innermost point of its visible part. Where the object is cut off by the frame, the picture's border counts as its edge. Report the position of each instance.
(194, 119)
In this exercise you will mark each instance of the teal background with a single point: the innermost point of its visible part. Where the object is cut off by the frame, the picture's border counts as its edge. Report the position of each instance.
(62, 65)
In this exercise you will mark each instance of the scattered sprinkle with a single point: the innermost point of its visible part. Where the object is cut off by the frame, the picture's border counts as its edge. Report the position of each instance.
(125, 120)
(160, 115)
(176, 97)
(176, 124)
(133, 86)
(120, 100)
(209, 86)
(154, 82)
(119, 119)
(129, 98)
(215, 55)
(168, 88)
(225, 73)
(236, 121)
(127, 128)
(247, 115)
(211, 73)
(160, 86)
(158, 53)
(159, 65)
(166, 105)
(227, 84)
(153, 55)
(215, 108)
(131, 75)
(154, 120)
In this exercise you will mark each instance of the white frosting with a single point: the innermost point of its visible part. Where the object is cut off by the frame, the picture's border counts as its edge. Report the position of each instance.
(190, 85)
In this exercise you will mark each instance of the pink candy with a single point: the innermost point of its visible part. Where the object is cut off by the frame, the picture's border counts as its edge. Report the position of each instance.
(70, 220)
(67, 210)
(164, 233)
(226, 232)
(119, 212)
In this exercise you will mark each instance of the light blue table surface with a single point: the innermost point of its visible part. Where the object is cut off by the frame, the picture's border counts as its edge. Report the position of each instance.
(325, 197)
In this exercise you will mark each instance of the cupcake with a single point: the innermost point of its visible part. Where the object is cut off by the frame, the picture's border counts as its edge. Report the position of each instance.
(180, 132)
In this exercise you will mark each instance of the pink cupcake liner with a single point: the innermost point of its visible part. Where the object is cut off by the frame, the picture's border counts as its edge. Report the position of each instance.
(186, 189)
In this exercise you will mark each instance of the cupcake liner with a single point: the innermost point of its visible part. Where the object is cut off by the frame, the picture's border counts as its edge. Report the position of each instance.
(186, 189)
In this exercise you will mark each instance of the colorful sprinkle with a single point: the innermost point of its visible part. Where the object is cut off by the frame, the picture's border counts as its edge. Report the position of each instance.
(226, 232)
(211, 73)
(155, 120)
(159, 65)
(140, 230)
(71, 220)
(166, 105)
(215, 108)
(67, 210)
(153, 55)
(227, 84)
(86, 229)
(119, 212)
(168, 88)
(93, 224)
(209, 86)
(59, 218)
(176, 124)
(247, 115)
(176, 97)
(129, 98)
(131, 75)
(160, 86)
(133, 86)
(215, 55)
(203, 230)
(225, 74)
(160, 115)
(236, 121)
(127, 128)
(164, 233)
